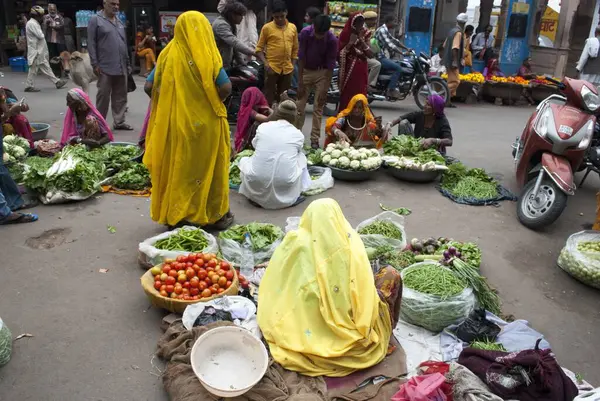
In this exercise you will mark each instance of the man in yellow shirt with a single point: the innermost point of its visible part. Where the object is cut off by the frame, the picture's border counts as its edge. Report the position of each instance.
(277, 48)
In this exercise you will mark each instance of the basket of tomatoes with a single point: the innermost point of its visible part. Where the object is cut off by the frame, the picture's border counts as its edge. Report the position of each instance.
(177, 283)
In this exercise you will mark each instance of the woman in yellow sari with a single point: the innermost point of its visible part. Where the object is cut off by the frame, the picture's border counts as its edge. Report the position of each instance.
(187, 142)
(324, 313)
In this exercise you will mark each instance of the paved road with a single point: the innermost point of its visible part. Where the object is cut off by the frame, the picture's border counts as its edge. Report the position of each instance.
(94, 333)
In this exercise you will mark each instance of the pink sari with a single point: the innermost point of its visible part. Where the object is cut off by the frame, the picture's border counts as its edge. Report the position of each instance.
(252, 98)
(142, 139)
(70, 123)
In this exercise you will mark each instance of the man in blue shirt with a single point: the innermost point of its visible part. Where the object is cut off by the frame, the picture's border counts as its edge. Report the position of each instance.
(389, 45)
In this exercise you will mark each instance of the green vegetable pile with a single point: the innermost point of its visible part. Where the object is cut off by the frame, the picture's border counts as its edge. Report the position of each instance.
(409, 146)
(402, 211)
(487, 298)
(15, 149)
(114, 156)
(387, 255)
(581, 259)
(17, 171)
(234, 169)
(589, 246)
(473, 183)
(313, 156)
(262, 235)
(384, 228)
(133, 176)
(487, 346)
(184, 240)
(467, 251)
(34, 175)
(74, 171)
(433, 280)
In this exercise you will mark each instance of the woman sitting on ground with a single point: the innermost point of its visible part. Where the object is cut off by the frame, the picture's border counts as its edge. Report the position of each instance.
(146, 48)
(431, 124)
(492, 69)
(13, 119)
(83, 122)
(254, 110)
(327, 315)
(354, 125)
(275, 176)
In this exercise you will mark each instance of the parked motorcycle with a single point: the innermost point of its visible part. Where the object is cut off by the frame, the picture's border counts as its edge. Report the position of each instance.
(553, 146)
(242, 77)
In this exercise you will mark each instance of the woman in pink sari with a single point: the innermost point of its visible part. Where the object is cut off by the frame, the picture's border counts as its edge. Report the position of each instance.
(254, 110)
(13, 119)
(83, 122)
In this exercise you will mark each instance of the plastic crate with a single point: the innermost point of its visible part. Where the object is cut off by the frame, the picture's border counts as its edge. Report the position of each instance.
(18, 64)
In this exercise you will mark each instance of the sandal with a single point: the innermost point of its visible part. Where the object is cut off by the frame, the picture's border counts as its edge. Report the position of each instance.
(28, 205)
(123, 127)
(19, 218)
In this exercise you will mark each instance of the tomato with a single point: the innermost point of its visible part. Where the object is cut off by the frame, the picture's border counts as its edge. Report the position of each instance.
(180, 272)
(211, 263)
(180, 296)
(241, 277)
(222, 282)
(229, 275)
(166, 269)
(194, 291)
(157, 285)
(245, 285)
(178, 290)
(206, 293)
(206, 257)
(163, 276)
(213, 290)
(173, 273)
(182, 278)
(210, 269)
(186, 284)
(215, 278)
(188, 265)
(202, 274)
(196, 269)
(187, 298)
(173, 295)
(164, 293)
(220, 290)
(202, 286)
(208, 281)
(157, 277)
(220, 273)
(156, 270)
(225, 265)
(179, 258)
(163, 287)
(199, 262)
(169, 288)
(195, 298)
(193, 256)
(228, 284)
(170, 280)
(194, 282)
(190, 273)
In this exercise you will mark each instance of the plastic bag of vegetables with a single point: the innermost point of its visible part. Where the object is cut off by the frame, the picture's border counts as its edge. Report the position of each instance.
(181, 241)
(321, 180)
(265, 238)
(433, 298)
(5, 343)
(385, 229)
(581, 257)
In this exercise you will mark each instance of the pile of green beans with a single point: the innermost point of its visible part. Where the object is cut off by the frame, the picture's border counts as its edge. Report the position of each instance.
(471, 187)
(184, 240)
(433, 280)
(487, 346)
(385, 228)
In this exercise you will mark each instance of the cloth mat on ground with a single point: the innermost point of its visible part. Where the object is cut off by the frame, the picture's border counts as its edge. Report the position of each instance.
(145, 193)
(503, 194)
(181, 383)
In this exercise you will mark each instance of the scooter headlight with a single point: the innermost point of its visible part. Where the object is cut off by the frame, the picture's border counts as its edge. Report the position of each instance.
(587, 136)
(544, 122)
(590, 99)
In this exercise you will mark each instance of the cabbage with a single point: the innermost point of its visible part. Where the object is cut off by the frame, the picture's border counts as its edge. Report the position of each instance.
(333, 162)
(336, 154)
(326, 158)
(355, 165)
(344, 162)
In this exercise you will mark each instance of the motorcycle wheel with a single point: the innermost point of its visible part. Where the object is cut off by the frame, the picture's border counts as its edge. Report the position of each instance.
(543, 211)
(438, 85)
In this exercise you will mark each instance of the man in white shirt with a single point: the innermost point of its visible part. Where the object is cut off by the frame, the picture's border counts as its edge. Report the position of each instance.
(589, 62)
(37, 51)
(483, 44)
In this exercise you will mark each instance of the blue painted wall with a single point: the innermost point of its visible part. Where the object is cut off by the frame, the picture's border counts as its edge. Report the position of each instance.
(419, 41)
(514, 50)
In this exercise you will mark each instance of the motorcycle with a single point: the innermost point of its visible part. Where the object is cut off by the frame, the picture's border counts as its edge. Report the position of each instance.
(554, 144)
(242, 77)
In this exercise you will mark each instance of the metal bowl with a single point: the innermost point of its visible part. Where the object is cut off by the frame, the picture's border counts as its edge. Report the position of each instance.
(39, 131)
(413, 175)
(138, 158)
(350, 175)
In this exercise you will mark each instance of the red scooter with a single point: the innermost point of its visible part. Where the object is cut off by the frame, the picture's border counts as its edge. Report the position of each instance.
(551, 149)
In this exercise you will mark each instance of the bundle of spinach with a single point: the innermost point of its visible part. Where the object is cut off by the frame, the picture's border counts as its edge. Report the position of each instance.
(465, 182)
(234, 169)
(133, 176)
(74, 171)
(409, 146)
(34, 175)
(115, 156)
(262, 235)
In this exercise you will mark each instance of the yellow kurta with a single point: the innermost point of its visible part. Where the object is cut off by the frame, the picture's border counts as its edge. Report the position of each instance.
(319, 309)
(187, 142)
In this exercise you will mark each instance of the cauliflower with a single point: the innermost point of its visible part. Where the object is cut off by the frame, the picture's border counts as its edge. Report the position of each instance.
(345, 145)
(10, 139)
(336, 154)
(355, 165)
(333, 162)
(344, 162)
(363, 150)
(364, 164)
(326, 158)
(345, 151)
(18, 152)
(5, 157)
(363, 156)
(9, 158)
(22, 143)
(330, 148)
(353, 155)
(374, 153)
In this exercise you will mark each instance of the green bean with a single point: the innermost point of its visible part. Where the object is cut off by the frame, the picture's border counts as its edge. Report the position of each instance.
(471, 187)
(184, 240)
(485, 295)
(433, 280)
(488, 346)
(385, 228)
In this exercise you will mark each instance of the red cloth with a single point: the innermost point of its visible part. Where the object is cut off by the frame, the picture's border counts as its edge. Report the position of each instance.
(22, 128)
(354, 70)
(252, 98)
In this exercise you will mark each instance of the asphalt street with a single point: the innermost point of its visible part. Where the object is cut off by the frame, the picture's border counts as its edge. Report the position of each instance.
(94, 334)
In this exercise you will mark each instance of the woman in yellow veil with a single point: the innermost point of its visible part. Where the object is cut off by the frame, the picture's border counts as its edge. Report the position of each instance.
(322, 311)
(187, 142)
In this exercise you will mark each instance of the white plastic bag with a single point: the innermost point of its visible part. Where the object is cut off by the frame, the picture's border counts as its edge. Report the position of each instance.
(232, 251)
(433, 312)
(292, 223)
(584, 266)
(375, 240)
(5, 343)
(55, 197)
(156, 256)
(321, 184)
(593, 395)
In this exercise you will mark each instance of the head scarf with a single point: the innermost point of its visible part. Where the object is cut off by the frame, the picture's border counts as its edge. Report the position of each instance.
(333, 323)
(437, 104)
(286, 110)
(251, 99)
(70, 122)
(370, 119)
(491, 68)
(347, 31)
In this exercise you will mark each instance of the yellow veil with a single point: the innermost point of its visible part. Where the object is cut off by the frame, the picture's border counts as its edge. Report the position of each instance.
(187, 142)
(319, 309)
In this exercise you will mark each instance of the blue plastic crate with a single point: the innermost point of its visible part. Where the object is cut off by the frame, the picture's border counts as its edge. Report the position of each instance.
(19, 68)
(17, 61)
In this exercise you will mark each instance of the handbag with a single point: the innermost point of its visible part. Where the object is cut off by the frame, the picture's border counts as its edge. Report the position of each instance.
(131, 86)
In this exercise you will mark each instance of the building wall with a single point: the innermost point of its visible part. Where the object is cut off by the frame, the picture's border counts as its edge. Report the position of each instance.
(445, 18)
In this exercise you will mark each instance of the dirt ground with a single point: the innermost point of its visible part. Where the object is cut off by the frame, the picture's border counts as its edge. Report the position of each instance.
(94, 333)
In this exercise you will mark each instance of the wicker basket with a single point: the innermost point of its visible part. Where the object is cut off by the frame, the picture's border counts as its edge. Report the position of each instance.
(178, 305)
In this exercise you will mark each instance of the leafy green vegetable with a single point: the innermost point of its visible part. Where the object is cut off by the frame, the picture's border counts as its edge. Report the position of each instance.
(17, 171)
(262, 235)
(409, 146)
(234, 169)
(401, 210)
(385, 228)
(487, 346)
(34, 176)
(469, 251)
(388, 255)
(313, 156)
(74, 171)
(464, 182)
(184, 240)
(134, 176)
(114, 156)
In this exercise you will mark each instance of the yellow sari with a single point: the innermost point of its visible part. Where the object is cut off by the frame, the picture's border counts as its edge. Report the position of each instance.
(187, 142)
(320, 312)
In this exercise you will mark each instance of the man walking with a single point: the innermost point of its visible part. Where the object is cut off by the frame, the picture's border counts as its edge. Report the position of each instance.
(37, 51)
(454, 47)
(389, 45)
(277, 49)
(107, 45)
(316, 61)
(54, 28)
